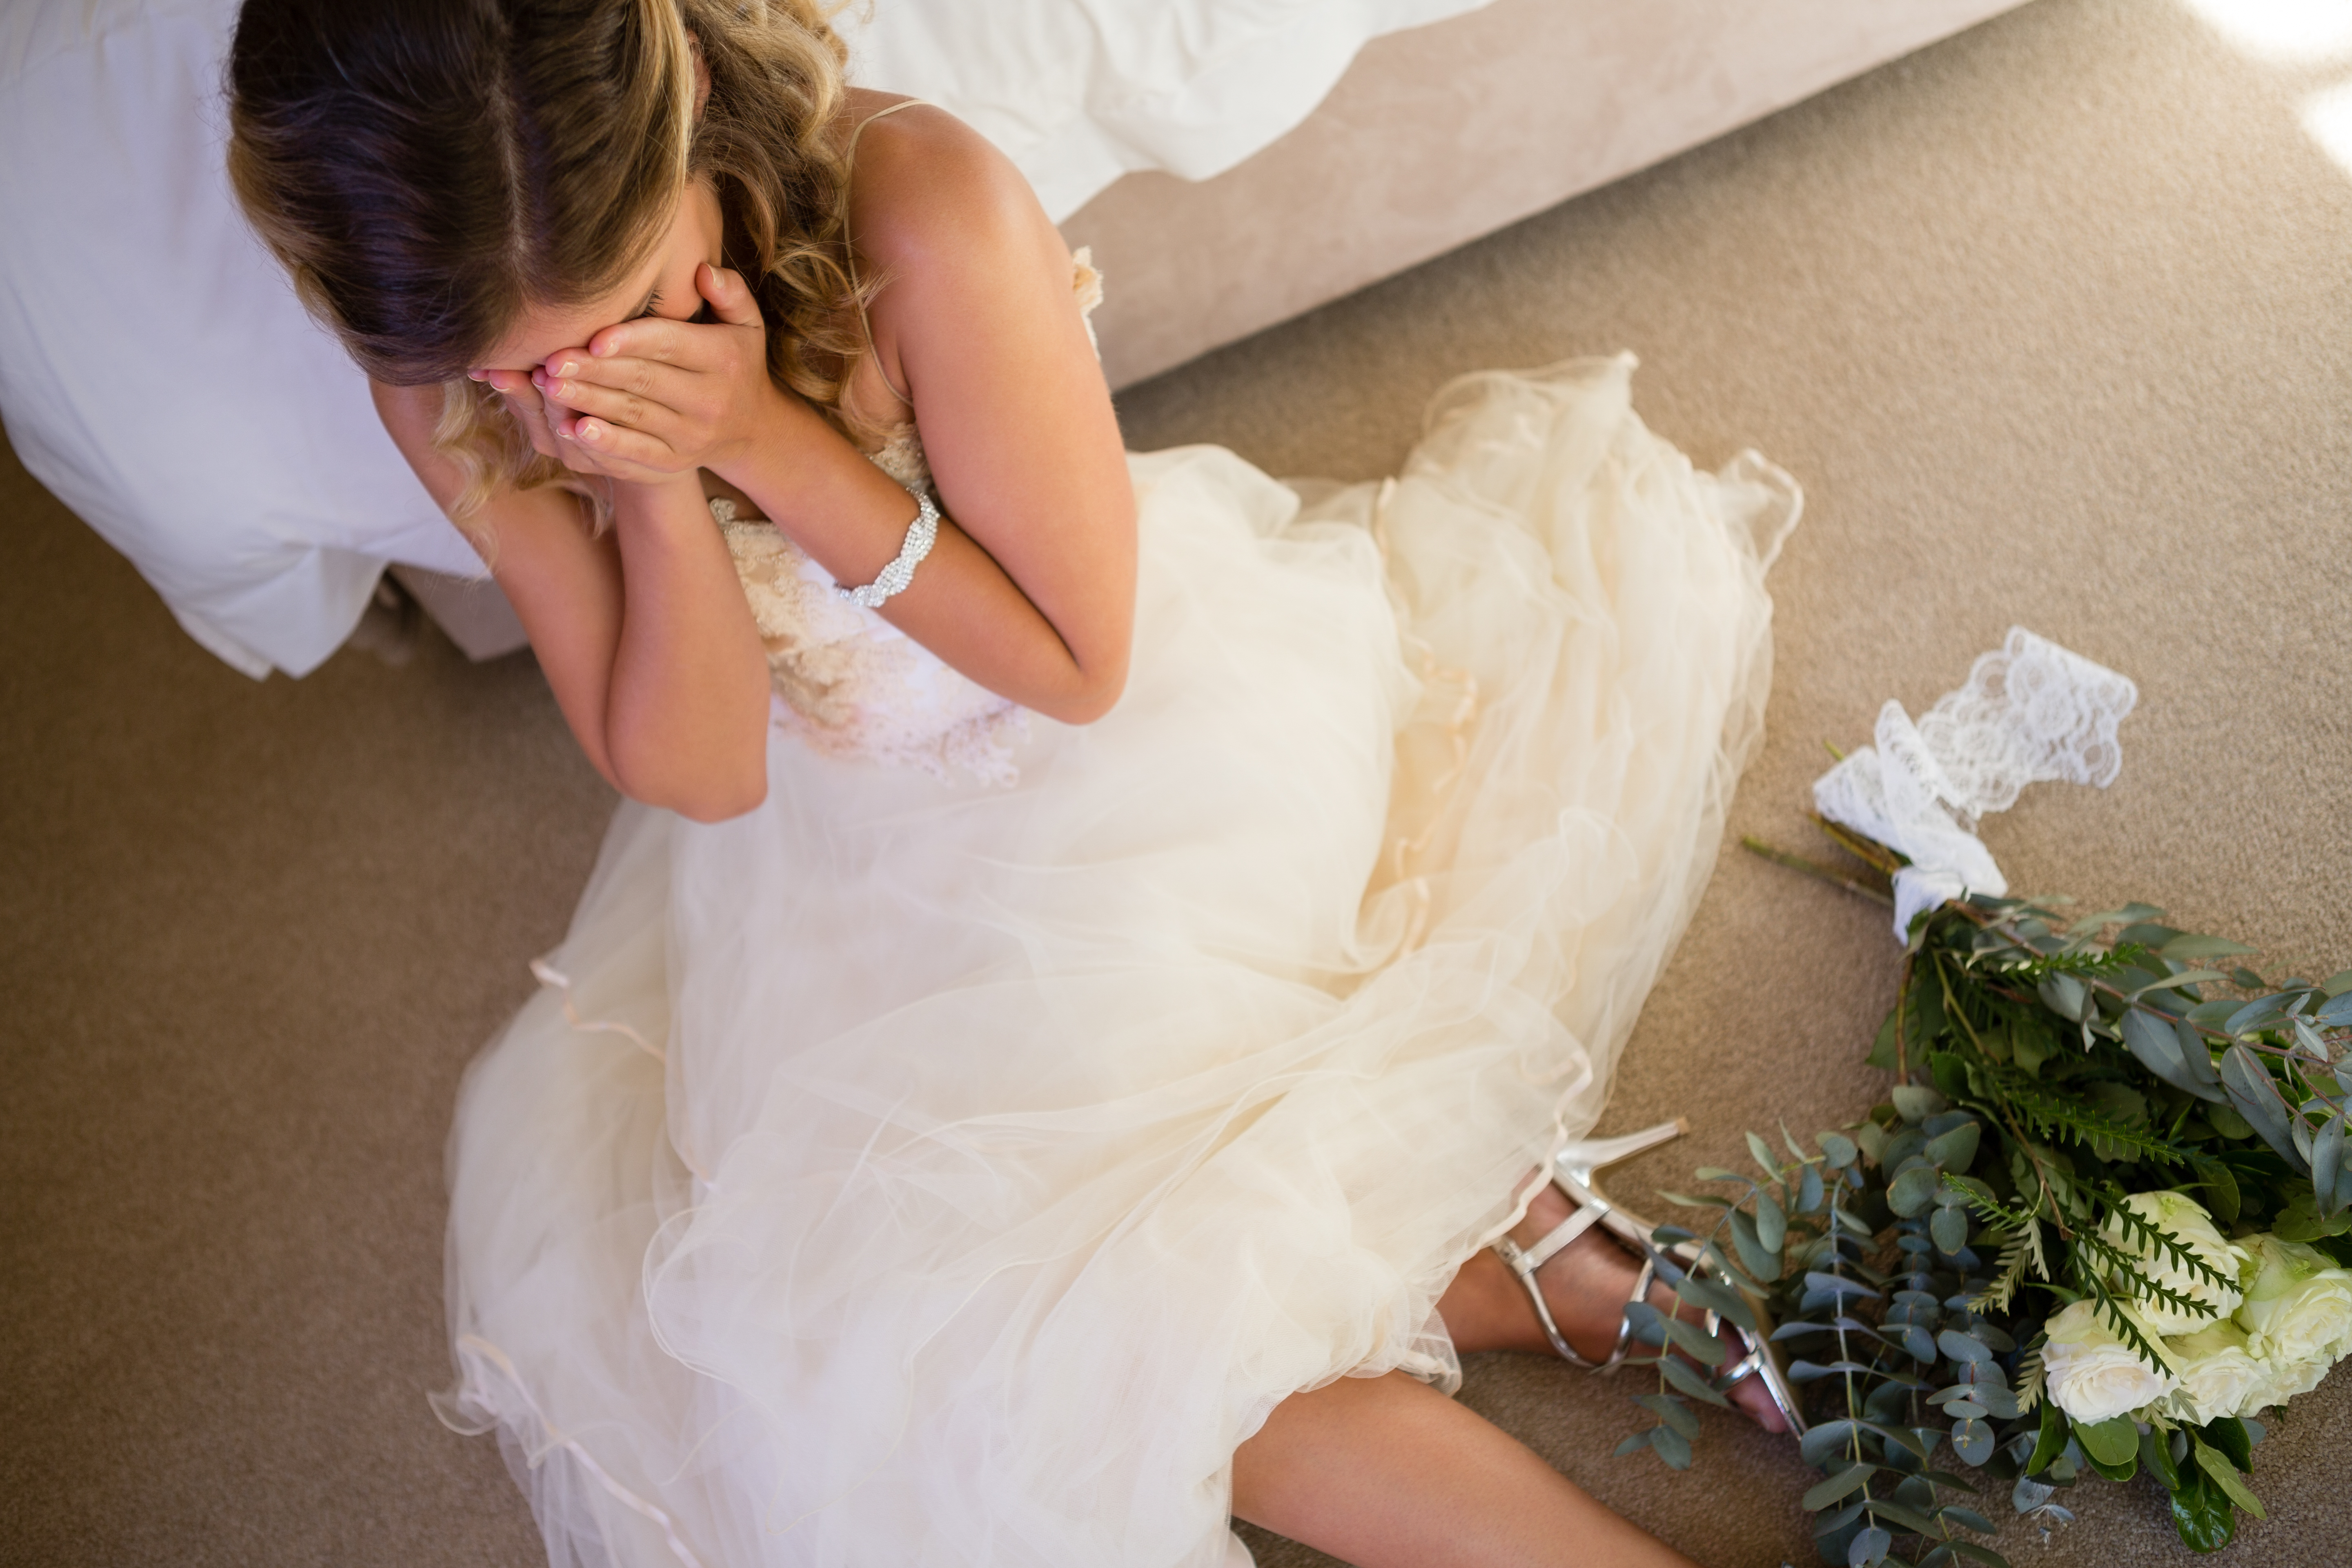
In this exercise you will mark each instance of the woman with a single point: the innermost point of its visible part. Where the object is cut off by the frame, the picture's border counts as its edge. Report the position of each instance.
(1128, 959)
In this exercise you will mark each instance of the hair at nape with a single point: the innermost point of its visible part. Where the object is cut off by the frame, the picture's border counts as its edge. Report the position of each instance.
(426, 169)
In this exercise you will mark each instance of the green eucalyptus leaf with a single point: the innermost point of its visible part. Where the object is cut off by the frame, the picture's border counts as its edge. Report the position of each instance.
(1896, 1513)
(2175, 982)
(1954, 1150)
(1687, 1377)
(1972, 1440)
(1961, 1347)
(1821, 1443)
(1910, 1194)
(2110, 1442)
(1759, 1260)
(2064, 995)
(1950, 1227)
(2161, 1049)
(1843, 1485)
(2253, 1095)
(1634, 1444)
(1694, 1341)
(1703, 1201)
(1968, 1519)
(2336, 984)
(2229, 1123)
(1916, 1102)
(1869, 1548)
(1761, 1152)
(2189, 949)
(1838, 1148)
(1672, 1447)
(1809, 1191)
(1714, 1298)
(1975, 1554)
(2254, 1014)
(1771, 1228)
(2327, 1160)
(2122, 1472)
(1671, 1411)
(1903, 1438)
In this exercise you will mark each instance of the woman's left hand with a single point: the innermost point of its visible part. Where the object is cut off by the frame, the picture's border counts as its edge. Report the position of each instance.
(670, 396)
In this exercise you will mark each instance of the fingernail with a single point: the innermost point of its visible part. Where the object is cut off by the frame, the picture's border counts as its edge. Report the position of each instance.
(567, 368)
(587, 431)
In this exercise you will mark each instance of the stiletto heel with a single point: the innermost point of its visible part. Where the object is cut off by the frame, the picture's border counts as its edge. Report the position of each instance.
(1575, 1171)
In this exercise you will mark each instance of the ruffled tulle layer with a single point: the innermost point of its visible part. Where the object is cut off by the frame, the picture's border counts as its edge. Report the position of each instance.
(906, 1174)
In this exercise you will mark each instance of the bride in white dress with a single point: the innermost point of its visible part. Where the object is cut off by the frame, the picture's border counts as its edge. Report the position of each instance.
(1047, 1044)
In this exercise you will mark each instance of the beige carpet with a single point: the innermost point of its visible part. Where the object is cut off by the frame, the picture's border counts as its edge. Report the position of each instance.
(2052, 321)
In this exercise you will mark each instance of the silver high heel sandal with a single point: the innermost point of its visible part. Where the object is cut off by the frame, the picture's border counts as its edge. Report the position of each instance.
(1574, 1171)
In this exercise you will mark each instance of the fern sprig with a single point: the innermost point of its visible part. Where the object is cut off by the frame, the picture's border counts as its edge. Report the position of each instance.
(2054, 1115)
(2160, 1242)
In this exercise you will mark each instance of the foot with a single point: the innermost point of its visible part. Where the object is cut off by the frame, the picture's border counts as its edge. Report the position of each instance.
(1586, 1286)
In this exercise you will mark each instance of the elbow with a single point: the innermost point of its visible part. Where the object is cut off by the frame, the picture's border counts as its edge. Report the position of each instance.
(709, 805)
(705, 794)
(1092, 696)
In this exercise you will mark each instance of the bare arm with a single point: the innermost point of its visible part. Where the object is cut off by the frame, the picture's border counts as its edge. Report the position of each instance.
(644, 633)
(1031, 588)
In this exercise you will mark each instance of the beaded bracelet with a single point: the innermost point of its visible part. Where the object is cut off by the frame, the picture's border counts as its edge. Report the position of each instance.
(893, 578)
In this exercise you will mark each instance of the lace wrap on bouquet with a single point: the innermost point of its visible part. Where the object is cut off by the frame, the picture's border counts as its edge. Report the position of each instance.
(2032, 711)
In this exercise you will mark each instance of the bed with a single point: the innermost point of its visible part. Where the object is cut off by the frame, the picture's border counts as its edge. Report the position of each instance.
(157, 374)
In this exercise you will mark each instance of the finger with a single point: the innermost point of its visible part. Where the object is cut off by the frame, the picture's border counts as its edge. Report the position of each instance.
(613, 407)
(655, 338)
(666, 384)
(614, 443)
(731, 298)
(522, 401)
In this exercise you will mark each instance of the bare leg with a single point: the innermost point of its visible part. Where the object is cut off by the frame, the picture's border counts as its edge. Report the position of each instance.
(1386, 1472)
(1585, 1285)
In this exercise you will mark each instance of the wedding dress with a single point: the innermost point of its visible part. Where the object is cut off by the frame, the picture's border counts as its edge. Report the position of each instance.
(951, 1160)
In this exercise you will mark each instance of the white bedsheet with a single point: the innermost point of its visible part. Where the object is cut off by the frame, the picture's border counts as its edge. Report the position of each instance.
(157, 374)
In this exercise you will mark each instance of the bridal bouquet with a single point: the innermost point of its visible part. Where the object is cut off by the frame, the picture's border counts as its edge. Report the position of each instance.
(2100, 1224)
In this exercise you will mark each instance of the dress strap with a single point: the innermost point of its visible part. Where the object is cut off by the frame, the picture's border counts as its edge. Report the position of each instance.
(864, 325)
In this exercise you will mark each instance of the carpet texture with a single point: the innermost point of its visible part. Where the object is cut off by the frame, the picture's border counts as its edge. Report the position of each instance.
(2053, 321)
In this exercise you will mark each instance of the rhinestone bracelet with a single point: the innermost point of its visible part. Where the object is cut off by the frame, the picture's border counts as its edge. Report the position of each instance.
(893, 578)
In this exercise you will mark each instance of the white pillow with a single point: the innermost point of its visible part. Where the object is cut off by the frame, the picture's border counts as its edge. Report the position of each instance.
(158, 375)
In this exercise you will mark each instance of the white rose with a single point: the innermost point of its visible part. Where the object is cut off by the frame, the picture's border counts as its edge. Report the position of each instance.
(2283, 1381)
(2298, 1304)
(2188, 1224)
(2218, 1374)
(2094, 1376)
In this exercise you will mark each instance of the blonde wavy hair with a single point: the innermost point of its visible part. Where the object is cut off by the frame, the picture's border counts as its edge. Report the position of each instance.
(426, 169)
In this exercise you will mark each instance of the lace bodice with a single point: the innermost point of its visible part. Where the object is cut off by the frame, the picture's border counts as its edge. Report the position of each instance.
(848, 682)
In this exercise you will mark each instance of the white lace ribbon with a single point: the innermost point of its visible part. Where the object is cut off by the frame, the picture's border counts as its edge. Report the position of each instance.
(2031, 712)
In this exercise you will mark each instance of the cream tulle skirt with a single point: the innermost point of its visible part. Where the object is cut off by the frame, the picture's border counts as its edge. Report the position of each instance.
(903, 1174)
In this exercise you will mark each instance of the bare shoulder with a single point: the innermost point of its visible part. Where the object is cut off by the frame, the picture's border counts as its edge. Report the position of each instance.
(933, 198)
